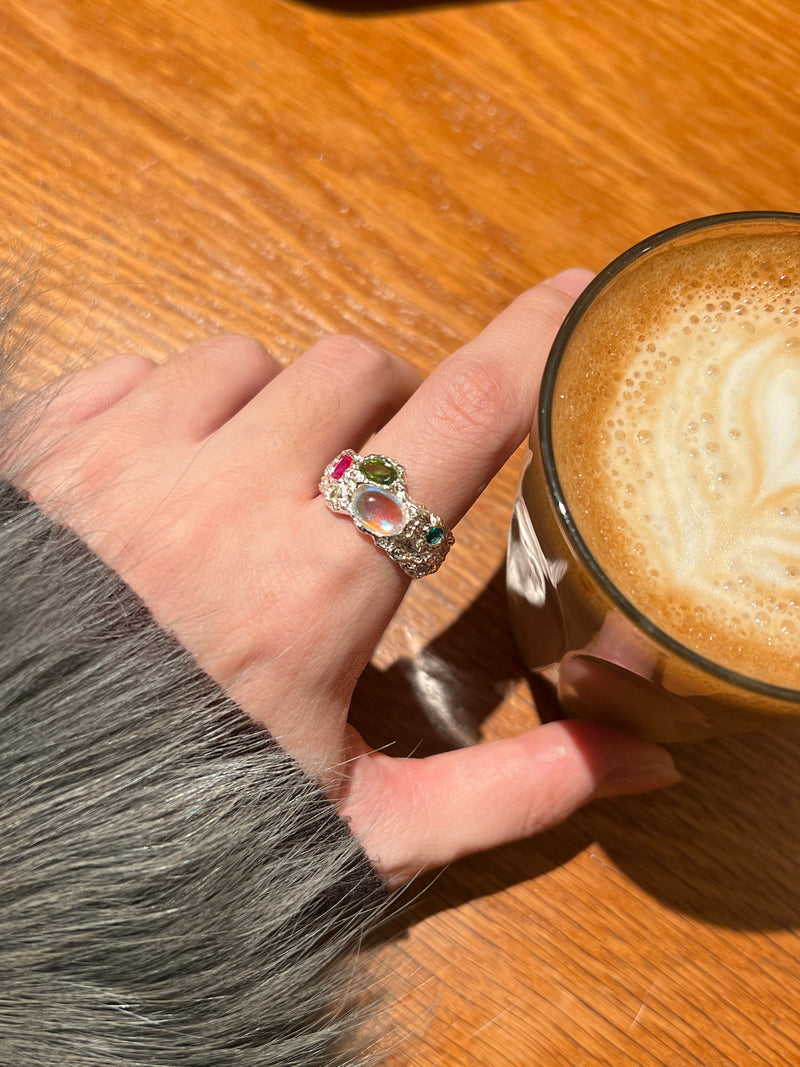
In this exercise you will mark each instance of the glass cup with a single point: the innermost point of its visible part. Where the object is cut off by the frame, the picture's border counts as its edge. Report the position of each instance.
(589, 633)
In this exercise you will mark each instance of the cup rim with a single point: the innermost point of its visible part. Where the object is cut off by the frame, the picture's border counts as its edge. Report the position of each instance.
(553, 483)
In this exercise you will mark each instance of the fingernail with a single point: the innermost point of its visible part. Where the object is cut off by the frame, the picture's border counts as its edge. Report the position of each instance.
(655, 771)
(572, 281)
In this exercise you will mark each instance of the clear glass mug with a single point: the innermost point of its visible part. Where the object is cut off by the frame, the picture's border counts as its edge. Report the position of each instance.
(603, 656)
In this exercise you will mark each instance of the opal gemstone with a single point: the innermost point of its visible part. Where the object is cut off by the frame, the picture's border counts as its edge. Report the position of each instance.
(378, 470)
(344, 465)
(378, 512)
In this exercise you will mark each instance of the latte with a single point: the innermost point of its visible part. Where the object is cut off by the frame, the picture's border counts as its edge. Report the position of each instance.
(676, 440)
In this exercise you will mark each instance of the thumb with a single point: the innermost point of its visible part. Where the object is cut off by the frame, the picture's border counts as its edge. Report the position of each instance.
(414, 815)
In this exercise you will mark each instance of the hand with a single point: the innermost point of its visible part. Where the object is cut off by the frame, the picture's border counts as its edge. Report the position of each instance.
(197, 481)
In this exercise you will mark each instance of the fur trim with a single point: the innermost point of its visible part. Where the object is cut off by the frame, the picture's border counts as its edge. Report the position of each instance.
(173, 889)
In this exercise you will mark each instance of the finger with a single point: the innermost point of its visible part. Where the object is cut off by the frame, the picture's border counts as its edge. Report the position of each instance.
(194, 393)
(333, 397)
(45, 418)
(77, 397)
(473, 411)
(415, 815)
(92, 391)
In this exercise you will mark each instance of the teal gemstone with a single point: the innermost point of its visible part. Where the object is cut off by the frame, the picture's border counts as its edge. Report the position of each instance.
(378, 470)
(435, 535)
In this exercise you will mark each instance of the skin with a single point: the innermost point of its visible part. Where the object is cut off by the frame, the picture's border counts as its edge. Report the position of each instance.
(197, 481)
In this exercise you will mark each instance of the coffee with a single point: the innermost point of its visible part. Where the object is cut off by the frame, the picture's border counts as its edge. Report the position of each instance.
(676, 440)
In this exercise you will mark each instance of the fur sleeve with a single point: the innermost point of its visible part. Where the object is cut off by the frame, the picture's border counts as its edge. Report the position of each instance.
(173, 889)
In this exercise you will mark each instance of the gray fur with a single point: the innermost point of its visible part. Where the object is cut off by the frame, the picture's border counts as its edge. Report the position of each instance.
(174, 892)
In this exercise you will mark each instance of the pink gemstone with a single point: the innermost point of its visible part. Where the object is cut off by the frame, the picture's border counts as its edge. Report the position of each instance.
(344, 464)
(378, 512)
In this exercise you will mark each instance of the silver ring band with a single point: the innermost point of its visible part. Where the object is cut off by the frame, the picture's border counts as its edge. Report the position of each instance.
(372, 491)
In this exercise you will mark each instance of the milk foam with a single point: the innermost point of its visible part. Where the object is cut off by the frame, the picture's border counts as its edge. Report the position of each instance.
(686, 486)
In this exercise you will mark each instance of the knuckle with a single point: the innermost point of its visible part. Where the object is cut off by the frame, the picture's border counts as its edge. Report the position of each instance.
(543, 310)
(354, 356)
(229, 346)
(473, 402)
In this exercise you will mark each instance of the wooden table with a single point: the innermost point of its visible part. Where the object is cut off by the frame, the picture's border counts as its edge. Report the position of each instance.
(284, 170)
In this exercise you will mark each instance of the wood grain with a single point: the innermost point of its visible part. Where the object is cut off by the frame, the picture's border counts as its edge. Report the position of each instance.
(285, 170)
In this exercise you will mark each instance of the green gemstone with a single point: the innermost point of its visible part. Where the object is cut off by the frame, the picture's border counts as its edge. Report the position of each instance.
(378, 470)
(435, 535)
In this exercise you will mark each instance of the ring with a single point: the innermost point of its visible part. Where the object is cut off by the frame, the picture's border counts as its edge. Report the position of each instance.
(372, 491)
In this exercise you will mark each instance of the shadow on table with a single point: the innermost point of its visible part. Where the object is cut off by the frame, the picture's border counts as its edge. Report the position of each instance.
(723, 846)
(440, 700)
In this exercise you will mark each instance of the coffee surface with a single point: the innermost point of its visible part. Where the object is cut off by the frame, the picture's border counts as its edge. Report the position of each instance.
(676, 432)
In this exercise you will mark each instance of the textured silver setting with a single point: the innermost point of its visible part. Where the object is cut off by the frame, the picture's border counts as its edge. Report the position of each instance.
(421, 545)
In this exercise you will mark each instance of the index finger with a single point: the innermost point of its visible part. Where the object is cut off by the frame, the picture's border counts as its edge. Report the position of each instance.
(466, 419)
